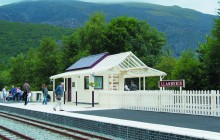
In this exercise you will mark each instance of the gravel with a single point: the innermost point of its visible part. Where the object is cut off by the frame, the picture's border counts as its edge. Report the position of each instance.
(32, 131)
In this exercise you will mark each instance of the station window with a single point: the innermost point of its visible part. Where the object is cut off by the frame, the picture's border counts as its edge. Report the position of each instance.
(98, 80)
(86, 82)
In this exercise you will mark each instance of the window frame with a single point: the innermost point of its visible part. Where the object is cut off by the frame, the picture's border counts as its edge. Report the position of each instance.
(86, 82)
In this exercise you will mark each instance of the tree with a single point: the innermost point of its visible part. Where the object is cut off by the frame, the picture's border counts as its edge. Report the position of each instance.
(167, 64)
(85, 40)
(130, 34)
(46, 62)
(30, 65)
(5, 78)
(119, 35)
(17, 69)
(210, 57)
(71, 50)
(188, 68)
(94, 29)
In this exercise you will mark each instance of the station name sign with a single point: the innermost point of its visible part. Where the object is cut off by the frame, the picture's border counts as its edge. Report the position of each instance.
(172, 83)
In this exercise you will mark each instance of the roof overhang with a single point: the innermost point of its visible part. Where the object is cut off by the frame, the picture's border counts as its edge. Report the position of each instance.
(144, 72)
(124, 63)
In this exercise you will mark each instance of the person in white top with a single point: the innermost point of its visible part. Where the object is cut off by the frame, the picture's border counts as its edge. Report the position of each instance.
(126, 88)
(4, 94)
(29, 97)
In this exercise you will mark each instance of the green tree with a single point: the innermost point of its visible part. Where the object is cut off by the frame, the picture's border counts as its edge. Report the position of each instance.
(85, 40)
(17, 70)
(188, 67)
(5, 78)
(46, 62)
(167, 64)
(30, 65)
(71, 50)
(130, 34)
(94, 33)
(210, 58)
(119, 35)
(4, 75)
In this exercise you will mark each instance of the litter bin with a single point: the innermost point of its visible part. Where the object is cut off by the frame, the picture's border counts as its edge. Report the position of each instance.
(38, 97)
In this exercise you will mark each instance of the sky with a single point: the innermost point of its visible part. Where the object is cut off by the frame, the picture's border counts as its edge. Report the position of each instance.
(204, 6)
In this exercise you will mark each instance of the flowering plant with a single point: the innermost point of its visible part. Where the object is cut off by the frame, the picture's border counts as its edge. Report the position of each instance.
(92, 84)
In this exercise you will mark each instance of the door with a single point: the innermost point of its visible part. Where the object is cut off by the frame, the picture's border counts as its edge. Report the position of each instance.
(69, 90)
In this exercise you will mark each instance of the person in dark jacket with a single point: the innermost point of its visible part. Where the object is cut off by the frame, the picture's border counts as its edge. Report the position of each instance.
(26, 88)
(133, 86)
(59, 95)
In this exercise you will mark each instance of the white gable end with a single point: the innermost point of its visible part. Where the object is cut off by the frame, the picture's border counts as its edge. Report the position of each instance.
(126, 63)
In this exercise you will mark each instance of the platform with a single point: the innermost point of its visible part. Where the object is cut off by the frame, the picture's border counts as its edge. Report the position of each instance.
(124, 124)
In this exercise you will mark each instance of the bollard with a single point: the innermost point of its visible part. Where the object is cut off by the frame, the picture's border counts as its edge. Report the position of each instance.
(92, 98)
(76, 98)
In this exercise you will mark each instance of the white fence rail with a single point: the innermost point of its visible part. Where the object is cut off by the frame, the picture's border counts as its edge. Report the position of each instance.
(186, 102)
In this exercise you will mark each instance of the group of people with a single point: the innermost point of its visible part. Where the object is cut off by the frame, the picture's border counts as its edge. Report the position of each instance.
(14, 94)
(25, 95)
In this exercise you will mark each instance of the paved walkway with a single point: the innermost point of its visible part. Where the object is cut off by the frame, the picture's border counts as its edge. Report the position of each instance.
(178, 120)
(199, 126)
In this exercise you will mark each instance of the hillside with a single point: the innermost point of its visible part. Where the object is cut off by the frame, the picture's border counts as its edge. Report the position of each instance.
(19, 37)
(184, 28)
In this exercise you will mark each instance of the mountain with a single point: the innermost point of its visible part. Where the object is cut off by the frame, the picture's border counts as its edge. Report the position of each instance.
(20, 37)
(184, 28)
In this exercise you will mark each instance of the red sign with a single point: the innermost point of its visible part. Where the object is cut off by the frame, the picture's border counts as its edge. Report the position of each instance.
(172, 83)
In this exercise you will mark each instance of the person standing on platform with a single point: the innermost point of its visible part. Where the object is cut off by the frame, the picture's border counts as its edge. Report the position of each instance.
(13, 93)
(29, 97)
(133, 87)
(126, 88)
(26, 88)
(59, 94)
(45, 93)
(4, 92)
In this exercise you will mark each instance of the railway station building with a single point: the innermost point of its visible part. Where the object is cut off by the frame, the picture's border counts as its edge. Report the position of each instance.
(103, 72)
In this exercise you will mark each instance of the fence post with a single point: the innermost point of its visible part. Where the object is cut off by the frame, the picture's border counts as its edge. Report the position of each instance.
(159, 100)
(184, 102)
(213, 103)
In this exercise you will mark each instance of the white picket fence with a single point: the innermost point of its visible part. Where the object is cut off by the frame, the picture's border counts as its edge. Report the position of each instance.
(205, 103)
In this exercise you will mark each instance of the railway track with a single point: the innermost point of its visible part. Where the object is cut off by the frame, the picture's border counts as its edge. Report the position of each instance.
(8, 134)
(65, 131)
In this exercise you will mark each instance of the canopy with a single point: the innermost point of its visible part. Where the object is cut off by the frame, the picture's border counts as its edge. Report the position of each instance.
(126, 63)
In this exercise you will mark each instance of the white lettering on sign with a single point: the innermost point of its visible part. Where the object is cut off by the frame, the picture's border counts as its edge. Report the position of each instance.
(172, 83)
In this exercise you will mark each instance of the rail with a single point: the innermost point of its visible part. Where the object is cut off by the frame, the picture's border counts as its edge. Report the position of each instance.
(70, 132)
